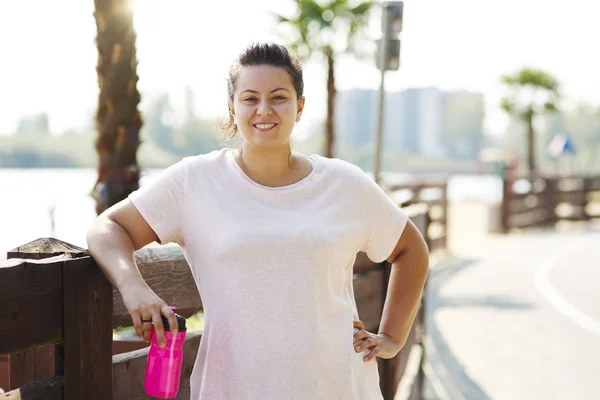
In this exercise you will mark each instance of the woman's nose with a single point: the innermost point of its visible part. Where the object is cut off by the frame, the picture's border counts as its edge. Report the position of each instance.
(264, 108)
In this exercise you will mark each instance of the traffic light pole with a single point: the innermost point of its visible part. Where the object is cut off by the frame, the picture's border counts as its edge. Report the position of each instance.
(383, 54)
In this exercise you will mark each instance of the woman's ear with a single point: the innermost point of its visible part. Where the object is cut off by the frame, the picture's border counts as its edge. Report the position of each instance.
(300, 108)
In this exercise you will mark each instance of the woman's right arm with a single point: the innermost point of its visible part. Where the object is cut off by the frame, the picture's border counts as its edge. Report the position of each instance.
(112, 239)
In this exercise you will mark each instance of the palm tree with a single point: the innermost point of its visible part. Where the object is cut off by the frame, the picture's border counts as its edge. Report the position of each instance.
(531, 92)
(118, 119)
(315, 28)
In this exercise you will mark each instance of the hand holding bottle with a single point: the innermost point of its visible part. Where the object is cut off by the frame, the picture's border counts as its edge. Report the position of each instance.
(146, 310)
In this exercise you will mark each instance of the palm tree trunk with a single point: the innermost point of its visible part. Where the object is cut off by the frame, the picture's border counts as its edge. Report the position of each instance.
(530, 144)
(329, 128)
(118, 120)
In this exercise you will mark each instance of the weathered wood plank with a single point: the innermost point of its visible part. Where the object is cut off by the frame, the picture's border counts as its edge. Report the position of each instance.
(36, 312)
(45, 357)
(88, 331)
(369, 292)
(364, 264)
(538, 207)
(31, 323)
(593, 183)
(574, 198)
(437, 243)
(418, 186)
(129, 371)
(166, 271)
(45, 248)
(49, 389)
(409, 386)
(32, 364)
(21, 368)
(34, 278)
(534, 217)
(420, 218)
(526, 203)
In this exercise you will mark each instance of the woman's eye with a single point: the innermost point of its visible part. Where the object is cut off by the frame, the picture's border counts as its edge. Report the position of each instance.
(249, 99)
(279, 98)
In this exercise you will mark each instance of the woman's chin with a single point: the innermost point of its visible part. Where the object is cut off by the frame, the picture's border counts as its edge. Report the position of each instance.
(267, 139)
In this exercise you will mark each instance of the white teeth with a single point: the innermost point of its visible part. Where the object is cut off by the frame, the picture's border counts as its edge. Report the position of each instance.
(264, 126)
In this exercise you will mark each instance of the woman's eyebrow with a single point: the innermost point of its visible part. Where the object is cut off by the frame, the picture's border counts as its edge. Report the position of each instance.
(274, 90)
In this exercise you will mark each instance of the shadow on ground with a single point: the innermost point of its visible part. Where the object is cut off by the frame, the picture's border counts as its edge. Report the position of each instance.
(486, 301)
(450, 373)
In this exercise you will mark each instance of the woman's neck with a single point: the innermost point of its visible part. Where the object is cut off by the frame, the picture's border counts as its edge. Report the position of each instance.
(277, 167)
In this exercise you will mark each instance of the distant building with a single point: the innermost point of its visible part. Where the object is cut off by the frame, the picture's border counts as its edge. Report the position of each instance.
(424, 121)
(462, 123)
(427, 125)
(355, 117)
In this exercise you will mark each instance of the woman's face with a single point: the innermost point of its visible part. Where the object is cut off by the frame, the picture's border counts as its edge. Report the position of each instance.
(265, 105)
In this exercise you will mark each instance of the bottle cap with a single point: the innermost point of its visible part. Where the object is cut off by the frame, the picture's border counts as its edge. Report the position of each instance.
(180, 323)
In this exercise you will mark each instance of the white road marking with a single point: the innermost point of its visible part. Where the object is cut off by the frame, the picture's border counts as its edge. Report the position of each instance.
(542, 281)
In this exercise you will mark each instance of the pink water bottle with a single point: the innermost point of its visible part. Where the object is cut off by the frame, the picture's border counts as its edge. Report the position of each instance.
(163, 368)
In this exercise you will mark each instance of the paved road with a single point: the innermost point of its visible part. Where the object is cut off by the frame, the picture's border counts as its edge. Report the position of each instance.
(518, 317)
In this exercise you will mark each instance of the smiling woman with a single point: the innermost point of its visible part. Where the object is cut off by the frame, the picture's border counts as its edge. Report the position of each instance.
(271, 236)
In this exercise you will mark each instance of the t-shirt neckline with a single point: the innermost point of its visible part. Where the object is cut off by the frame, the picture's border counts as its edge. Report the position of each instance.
(245, 177)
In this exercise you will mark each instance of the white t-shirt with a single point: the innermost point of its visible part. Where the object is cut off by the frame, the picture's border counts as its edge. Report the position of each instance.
(274, 268)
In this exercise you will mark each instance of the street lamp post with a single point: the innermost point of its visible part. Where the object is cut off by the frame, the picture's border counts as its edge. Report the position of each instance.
(388, 59)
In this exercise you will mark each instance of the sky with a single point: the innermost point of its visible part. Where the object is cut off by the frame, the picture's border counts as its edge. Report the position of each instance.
(48, 54)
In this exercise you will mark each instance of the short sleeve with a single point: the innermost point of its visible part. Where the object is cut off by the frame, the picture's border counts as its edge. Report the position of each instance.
(385, 220)
(161, 200)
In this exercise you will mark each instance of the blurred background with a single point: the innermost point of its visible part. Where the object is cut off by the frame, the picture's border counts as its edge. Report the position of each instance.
(478, 81)
(443, 106)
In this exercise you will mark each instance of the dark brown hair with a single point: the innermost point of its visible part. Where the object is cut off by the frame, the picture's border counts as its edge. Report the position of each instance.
(261, 53)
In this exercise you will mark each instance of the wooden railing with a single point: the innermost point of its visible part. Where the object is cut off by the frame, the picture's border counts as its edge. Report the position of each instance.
(58, 311)
(435, 195)
(537, 201)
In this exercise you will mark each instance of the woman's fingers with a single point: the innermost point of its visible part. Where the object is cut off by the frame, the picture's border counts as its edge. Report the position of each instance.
(359, 336)
(170, 315)
(365, 344)
(158, 327)
(137, 324)
(372, 354)
(146, 321)
(359, 325)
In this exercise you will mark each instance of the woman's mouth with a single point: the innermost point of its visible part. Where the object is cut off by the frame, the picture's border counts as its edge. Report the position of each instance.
(264, 127)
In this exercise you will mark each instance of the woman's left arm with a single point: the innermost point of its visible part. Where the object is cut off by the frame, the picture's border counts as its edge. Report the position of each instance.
(410, 264)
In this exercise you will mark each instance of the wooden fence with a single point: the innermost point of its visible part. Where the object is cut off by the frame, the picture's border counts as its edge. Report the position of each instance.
(57, 313)
(434, 194)
(536, 201)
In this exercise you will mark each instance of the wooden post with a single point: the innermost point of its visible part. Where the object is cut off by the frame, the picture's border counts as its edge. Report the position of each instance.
(505, 206)
(42, 362)
(587, 189)
(386, 370)
(444, 243)
(552, 199)
(85, 357)
(87, 331)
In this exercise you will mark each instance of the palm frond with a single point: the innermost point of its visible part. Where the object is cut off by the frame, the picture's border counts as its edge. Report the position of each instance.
(310, 9)
(550, 107)
(313, 17)
(507, 105)
(362, 8)
(530, 80)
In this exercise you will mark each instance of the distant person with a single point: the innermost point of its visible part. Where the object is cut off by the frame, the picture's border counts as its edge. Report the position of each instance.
(271, 236)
